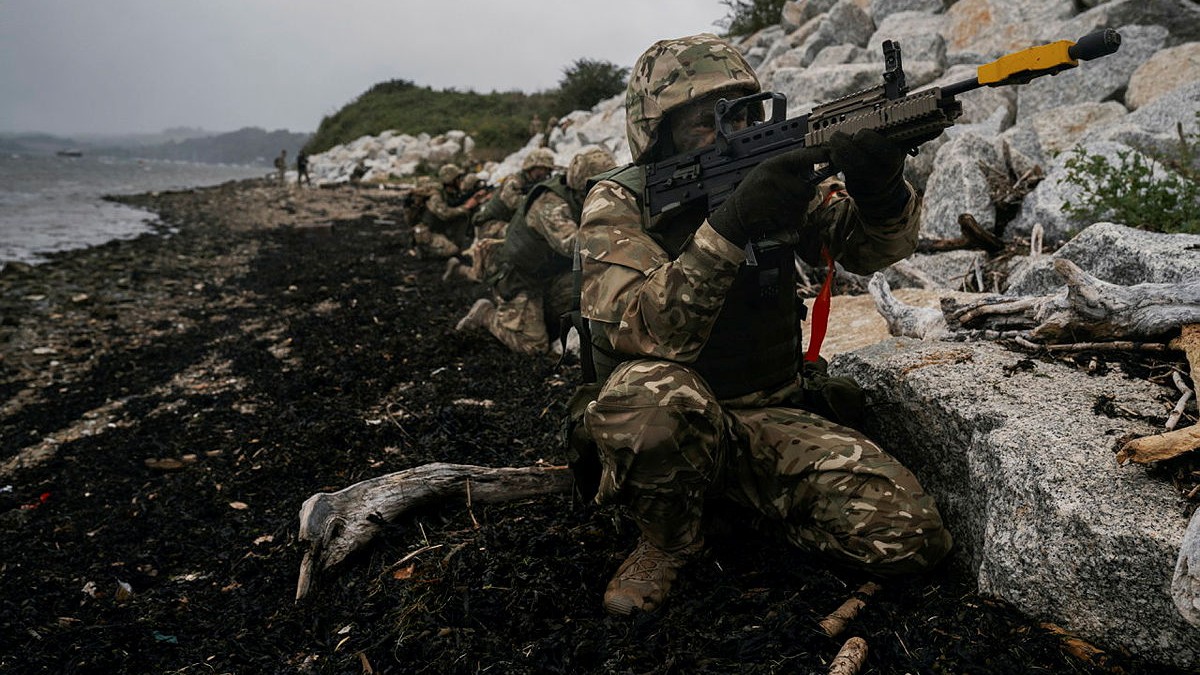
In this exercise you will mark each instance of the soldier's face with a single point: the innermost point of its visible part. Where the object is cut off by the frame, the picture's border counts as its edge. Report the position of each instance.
(538, 173)
(694, 125)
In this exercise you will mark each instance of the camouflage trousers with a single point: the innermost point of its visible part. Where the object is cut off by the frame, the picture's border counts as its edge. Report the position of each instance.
(520, 322)
(667, 445)
(433, 244)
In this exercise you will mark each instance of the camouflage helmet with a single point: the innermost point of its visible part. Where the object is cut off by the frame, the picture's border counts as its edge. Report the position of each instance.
(449, 173)
(589, 162)
(424, 186)
(672, 73)
(539, 157)
(472, 182)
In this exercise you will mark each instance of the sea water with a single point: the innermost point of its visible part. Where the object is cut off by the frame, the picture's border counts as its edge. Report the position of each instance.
(54, 203)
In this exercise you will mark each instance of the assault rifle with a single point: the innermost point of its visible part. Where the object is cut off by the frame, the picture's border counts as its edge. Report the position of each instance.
(712, 172)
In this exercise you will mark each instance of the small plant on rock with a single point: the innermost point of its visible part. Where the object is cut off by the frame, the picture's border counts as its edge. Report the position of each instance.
(1157, 193)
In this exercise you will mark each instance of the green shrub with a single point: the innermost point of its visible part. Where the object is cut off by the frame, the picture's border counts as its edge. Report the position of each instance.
(499, 121)
(586, 82)
(1161, 194)
(750, 16)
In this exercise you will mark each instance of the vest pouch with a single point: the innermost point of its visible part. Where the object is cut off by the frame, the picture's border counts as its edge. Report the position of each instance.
(583, 457)
(838, 399)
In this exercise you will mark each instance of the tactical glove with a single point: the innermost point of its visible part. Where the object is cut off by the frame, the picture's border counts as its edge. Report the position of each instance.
(874, 171)
(773, 196)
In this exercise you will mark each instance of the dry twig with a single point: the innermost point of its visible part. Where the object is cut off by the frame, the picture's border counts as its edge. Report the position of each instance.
(836, 622)
(850, 658)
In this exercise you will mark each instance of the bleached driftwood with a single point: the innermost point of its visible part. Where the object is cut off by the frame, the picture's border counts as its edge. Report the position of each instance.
(836, 622)
(850, 658)
(1087, 308)
(338, 523)
(1174, 442)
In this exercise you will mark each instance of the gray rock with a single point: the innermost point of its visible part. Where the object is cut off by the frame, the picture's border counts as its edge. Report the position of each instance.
(919, 35)
(881, 9)
(980, 31)
(1097, 80)
(1024, 150)
(1153, 127)
(957, 185)
(1167, 70)
(799, 12)
(1059, 129)
(840, 54)
(1042, 515)
(845, 23)
(949, 268)
(1116, 254)
(1181, 17)
(1185, 586)
(1045, 203)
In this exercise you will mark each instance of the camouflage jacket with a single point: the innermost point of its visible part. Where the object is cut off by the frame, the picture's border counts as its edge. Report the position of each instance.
(550, 217)
(644, 303)
(504, 203)
(439, 206)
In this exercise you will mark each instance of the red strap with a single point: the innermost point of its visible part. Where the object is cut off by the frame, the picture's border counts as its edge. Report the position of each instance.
(820, 318)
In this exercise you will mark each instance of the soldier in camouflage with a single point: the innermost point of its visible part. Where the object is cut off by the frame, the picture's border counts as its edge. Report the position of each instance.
(530, 271)
(491, 220)
(445, 221)
(698, 394)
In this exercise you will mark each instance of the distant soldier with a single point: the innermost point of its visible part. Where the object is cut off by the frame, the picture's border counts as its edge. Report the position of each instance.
(445, 223)
(535, 125)
(492, 218)
(551, 125)
(530, 273)
(302, 169)
(281, 165)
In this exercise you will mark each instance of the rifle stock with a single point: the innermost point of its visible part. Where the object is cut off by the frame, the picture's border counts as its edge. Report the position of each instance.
(713, 172)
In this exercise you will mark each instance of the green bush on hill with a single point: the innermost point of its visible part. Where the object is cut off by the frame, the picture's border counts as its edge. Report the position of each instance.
(587, 82)
(747, 17)
(499, 121)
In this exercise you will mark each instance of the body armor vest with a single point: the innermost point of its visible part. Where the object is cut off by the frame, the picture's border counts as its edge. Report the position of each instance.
(755, 339)
(430, 219)
(528, 251)
(495, 208)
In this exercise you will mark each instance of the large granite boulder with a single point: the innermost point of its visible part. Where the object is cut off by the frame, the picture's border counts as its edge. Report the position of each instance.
(980, 31)
(1020, 455)
(1117, 254)
(1165, 71)
(1185, 586)
(959, 185)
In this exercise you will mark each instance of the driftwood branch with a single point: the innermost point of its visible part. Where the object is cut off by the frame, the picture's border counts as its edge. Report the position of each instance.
(836, 622)
(338, 523)
(1174, 442)
(850, 658)
(1086, 309)
(1162, 446)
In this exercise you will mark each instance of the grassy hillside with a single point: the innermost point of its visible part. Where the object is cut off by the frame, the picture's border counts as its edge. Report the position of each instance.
(499, 121)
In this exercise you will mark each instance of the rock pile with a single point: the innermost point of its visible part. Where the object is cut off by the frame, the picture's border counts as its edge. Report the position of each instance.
(389, 154)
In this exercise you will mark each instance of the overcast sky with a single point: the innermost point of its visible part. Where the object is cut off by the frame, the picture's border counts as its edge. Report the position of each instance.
(116, 66)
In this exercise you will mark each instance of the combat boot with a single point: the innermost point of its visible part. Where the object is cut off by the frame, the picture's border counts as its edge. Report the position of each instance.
(452, 265)
(478, 316)
(644, 579)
